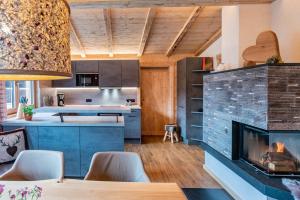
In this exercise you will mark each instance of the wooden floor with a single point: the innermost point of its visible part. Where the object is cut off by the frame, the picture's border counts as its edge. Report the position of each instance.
(180, 163)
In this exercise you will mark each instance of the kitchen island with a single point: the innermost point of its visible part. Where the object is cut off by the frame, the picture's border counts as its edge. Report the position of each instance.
(78, 137)
(131, 114)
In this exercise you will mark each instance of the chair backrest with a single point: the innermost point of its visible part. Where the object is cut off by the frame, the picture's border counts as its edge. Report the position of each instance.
(39, 165)
(117, 166)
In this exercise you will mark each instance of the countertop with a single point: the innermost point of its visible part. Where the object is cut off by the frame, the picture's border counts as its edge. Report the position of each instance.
(87, 109)
(47, 119)
(84, 109)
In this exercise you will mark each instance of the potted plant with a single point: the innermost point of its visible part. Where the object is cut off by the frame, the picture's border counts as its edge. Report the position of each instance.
(28, 112)
(22, 103)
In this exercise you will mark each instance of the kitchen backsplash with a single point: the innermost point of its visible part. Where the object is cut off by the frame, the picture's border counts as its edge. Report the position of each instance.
(93, 96)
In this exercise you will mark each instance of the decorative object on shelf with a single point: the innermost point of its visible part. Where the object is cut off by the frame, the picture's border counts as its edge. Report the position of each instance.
(266, 47)
(28, 112)
(274, 60)
(22, 103)
(219, 59)
(35, 42)
(207, 63)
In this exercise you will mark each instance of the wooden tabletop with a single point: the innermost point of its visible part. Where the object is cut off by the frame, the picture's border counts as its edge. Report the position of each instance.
(78, 189)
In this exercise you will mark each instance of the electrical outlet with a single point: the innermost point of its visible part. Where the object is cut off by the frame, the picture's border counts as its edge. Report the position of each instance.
(130, 100)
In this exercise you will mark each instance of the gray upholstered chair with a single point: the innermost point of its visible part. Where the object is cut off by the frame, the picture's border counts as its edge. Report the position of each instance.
(117, 166)
(34, 165)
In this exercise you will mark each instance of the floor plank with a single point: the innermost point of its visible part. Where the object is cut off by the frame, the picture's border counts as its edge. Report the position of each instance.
(179, 163)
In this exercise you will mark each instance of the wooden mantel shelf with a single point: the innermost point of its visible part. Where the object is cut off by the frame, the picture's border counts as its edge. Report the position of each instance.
(95, 190)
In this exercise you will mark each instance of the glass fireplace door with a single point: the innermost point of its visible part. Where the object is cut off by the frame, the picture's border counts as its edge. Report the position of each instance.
(273, 152)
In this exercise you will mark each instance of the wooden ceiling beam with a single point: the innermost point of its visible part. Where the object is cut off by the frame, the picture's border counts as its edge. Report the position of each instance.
(209, 42)
(78, 41)
(81, 4)
(179, 37)
(108, 29)
(147, 29)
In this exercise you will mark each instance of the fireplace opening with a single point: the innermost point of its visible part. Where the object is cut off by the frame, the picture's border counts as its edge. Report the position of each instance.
(276, 153)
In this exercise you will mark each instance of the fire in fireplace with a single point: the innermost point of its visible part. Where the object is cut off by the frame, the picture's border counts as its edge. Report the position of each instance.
(278, 159)
(273, 152)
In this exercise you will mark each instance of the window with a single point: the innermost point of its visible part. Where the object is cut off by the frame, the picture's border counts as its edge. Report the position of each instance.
(15, 90)
(26, 90)
(10, 94)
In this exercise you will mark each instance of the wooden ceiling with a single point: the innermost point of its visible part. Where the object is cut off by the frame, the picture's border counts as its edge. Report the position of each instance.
(102, 27)
(157, 3)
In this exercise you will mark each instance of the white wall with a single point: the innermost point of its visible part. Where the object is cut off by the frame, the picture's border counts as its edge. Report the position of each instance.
(254, 19)
(213, 50)
(242, 24)
(240, 27)
(230, 35)
(286, 24)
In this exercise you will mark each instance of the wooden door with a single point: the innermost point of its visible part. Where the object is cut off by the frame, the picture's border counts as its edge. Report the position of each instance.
(156, 102)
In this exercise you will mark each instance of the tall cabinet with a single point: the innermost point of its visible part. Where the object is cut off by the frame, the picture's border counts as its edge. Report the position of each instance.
(190, 99)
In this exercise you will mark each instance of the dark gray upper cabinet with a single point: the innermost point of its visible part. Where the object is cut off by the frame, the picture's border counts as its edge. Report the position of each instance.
(67, 82)
(110, 73)
(87, 66)
(130, 73)
(113, 73)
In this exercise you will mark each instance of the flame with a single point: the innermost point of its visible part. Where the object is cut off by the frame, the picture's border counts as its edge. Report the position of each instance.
(280, 147)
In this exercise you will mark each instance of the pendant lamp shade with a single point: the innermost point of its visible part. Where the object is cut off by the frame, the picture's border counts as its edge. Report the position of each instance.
(34, 40)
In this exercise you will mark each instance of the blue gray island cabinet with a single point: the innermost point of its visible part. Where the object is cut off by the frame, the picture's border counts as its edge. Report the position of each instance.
(78, 137)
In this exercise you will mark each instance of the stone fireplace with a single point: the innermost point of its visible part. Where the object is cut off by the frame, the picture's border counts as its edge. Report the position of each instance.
(251, 129)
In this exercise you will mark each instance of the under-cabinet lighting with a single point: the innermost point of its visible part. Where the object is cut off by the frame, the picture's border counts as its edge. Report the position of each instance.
(129, 88)
(78, 88)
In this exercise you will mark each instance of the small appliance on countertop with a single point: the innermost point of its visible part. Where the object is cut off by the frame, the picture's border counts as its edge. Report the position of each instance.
(60, 99)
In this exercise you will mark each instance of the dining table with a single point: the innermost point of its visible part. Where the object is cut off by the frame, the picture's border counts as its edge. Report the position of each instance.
(73, 189)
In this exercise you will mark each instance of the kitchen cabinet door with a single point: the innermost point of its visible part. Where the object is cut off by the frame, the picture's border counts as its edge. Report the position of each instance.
(32, 135)
(98, 139)
(133, 124)
(87, 66)
(110, 73)
(67, 82)
(66, 140)
(130, 73)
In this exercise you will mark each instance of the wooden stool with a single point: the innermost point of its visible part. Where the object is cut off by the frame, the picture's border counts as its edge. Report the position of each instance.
(171, 132)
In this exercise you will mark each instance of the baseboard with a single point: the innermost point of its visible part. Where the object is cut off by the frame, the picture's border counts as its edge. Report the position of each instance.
(228, 190)
(133, 141)
(153, 133)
